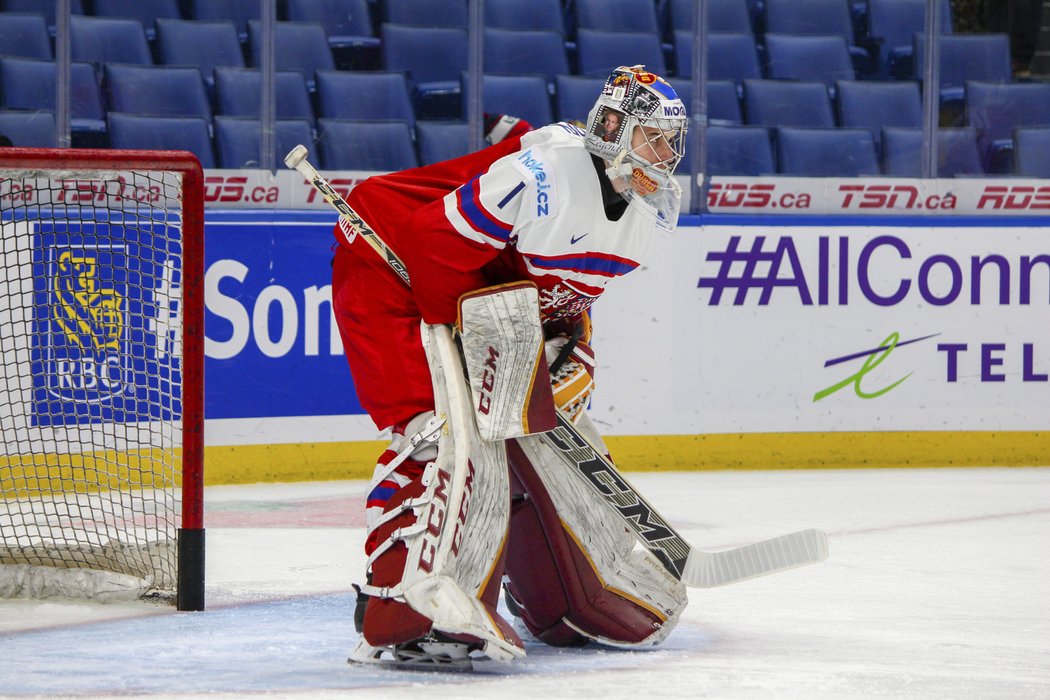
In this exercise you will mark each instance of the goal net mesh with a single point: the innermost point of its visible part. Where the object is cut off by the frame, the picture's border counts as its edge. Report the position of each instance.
(90, 376)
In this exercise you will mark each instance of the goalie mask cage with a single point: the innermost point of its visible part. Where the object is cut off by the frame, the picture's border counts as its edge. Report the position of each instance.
(101, 376)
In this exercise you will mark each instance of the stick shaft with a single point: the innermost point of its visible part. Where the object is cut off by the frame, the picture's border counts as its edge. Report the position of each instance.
(347, 213)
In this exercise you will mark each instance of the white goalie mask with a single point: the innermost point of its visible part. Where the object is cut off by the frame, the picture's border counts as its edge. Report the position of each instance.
(638, 127)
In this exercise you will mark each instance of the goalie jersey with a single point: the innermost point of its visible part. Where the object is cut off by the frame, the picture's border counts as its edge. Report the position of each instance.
(529, 208)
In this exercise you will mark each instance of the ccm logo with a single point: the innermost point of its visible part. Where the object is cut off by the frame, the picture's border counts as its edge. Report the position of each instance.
(435, 520)
(488, 382)
(464, 505)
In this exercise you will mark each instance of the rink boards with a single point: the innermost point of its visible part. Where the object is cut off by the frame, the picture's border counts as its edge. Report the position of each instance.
(744, 341)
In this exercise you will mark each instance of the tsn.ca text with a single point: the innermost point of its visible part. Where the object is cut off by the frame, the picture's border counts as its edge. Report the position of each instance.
(820, 196)
(49, 192)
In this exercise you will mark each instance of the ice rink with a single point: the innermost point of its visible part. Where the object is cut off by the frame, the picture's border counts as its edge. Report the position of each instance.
(938, 586)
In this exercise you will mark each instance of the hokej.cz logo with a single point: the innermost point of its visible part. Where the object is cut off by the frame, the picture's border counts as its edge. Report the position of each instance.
(872, 359)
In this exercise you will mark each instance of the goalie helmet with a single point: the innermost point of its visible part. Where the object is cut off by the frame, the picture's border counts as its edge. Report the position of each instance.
(638, 126)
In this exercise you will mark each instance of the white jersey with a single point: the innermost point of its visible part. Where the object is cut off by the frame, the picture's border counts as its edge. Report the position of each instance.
(545, 203)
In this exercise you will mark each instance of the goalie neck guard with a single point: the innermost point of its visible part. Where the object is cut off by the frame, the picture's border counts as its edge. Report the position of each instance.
(638, 126)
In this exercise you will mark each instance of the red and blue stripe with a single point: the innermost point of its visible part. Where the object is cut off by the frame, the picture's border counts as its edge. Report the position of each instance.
(469, 206)
(601, 264)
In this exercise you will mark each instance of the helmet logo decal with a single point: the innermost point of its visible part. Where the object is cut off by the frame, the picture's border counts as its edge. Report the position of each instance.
(642, 183)
(608, 123)
(644, 104)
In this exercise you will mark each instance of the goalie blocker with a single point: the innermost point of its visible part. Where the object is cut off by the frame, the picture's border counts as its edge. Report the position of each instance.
(502, 504)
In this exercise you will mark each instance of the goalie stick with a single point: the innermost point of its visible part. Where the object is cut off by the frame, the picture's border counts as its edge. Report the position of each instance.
(693, 567)
(296, 160)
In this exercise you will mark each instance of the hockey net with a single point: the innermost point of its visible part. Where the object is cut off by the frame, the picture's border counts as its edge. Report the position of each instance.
(101, 376)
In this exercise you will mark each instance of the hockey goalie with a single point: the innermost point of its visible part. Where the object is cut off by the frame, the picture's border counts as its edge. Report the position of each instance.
(507, 248)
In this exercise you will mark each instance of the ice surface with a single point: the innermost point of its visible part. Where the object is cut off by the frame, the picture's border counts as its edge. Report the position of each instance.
(938, 586)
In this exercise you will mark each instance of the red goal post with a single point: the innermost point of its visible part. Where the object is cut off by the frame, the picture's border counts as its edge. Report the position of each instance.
(102, 374)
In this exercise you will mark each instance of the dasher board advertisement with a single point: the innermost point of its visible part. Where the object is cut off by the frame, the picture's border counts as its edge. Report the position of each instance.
(764, 326)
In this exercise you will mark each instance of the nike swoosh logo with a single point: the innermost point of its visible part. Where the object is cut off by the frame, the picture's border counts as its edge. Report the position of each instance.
(576, 239)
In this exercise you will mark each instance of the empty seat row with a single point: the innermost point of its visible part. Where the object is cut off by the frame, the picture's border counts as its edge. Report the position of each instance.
(792, 151)
(234, 142)
(182, 91)
(395, 145)
(306, 45)
(993, 109)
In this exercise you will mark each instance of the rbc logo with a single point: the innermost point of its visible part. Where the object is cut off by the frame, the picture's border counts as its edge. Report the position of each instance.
(107, 304)
(88, 317)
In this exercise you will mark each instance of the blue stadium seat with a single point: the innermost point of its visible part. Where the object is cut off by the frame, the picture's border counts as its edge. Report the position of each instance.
(535, 15)
(600, 52)
(823, 58)
(441, 140)
(617, 16)
(30, 84)
(301, 46)
(435, 83)
(204, 44)
(348, 25)
(893, 24)
(157, 90)
(523, 96)
(723, 101)
(1032, 152)
(787, 103)
(47, 9)
(965, 57)
(24, 35)
(136, 131)
(739, 150)
(382, 146)
(238, 141)
(575, 95)
(957, 152)
(102, 40)
(722, 16)
(730, 56)
(238, 93)
(826, 152)
(34, 129)
(874, 105)
(432, 13)
(145, 11)
(511, 52)
(996, 109)
(364, 95)
(240, 12)
(810, 17)
(817, 18)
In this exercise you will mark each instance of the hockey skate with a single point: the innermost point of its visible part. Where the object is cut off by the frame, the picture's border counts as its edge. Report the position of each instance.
(434, 652)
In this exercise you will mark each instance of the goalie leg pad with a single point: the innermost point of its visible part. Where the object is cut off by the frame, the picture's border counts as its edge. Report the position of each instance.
(388, 620)
(573, 567)
(441, 540)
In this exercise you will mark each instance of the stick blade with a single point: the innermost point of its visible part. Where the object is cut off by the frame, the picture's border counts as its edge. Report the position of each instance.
(711, 569)
(295, 156)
